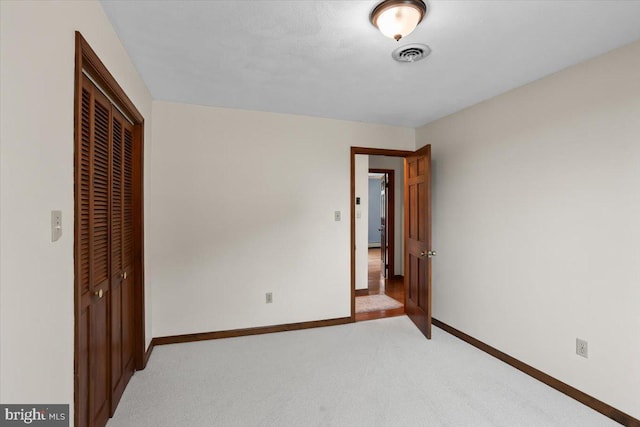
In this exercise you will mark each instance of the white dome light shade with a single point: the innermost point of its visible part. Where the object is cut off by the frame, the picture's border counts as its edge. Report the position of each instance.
(396, 19)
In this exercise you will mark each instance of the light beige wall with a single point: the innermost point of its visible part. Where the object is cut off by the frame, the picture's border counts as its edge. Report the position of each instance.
(242, 203)
(536, 219)
(362, 220)
(36, 176)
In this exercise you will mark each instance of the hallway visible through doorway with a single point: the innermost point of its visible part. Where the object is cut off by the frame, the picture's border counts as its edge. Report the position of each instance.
(393, 287)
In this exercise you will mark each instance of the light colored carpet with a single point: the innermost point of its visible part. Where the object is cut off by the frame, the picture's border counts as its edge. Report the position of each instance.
(376, 373)
(375, 303)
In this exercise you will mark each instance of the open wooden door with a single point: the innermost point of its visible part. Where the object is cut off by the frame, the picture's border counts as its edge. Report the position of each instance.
(418, 253)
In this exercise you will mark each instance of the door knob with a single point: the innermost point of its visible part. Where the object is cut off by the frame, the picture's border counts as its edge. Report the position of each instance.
(431, 254)
(423, 253)
(98, 293)
(123, 275)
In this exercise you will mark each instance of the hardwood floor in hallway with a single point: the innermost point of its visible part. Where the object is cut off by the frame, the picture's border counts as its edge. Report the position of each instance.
(378, 285)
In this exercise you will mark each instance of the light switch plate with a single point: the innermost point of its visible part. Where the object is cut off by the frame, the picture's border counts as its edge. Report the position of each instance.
(56, 225)
(337, 215)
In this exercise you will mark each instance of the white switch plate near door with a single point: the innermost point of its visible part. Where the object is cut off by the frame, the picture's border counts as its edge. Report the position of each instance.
(56, 225)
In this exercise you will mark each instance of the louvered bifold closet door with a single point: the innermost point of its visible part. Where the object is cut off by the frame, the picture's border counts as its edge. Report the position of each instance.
(122, 361)
(93, 189)
(128, 320)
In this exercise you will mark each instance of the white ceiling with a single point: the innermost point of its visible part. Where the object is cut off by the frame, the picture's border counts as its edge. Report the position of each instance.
(324, 58)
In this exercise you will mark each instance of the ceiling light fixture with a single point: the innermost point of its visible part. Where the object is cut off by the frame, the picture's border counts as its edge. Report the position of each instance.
(398, 18)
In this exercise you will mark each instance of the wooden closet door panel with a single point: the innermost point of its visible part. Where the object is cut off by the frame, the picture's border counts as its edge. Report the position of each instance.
(122, 318)
(92, 240)
(128, 334)
(83, 184)
(99, 225)
(99, 361)
(100, 192)
(82, 410)
(116, 257)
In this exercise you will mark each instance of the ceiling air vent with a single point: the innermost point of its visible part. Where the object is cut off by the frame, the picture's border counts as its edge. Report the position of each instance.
(411, 52)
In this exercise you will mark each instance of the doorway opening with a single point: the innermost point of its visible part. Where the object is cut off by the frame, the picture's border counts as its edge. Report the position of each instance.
(383, 295)
(412, 235)
(381, 228)
(379, 239)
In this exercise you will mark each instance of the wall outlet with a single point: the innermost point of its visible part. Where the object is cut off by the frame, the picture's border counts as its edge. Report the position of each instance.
(582, 348)
(56, 225)
(269, 297)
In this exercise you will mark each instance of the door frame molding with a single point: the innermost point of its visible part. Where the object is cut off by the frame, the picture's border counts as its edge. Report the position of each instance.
(352, 208)
(390, 218)
(86, 59)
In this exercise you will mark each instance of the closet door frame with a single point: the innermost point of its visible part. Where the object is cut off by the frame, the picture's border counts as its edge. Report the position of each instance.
(87, 62)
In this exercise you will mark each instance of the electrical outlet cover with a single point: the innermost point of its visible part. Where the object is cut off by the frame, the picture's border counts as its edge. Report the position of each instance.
(582, 348)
